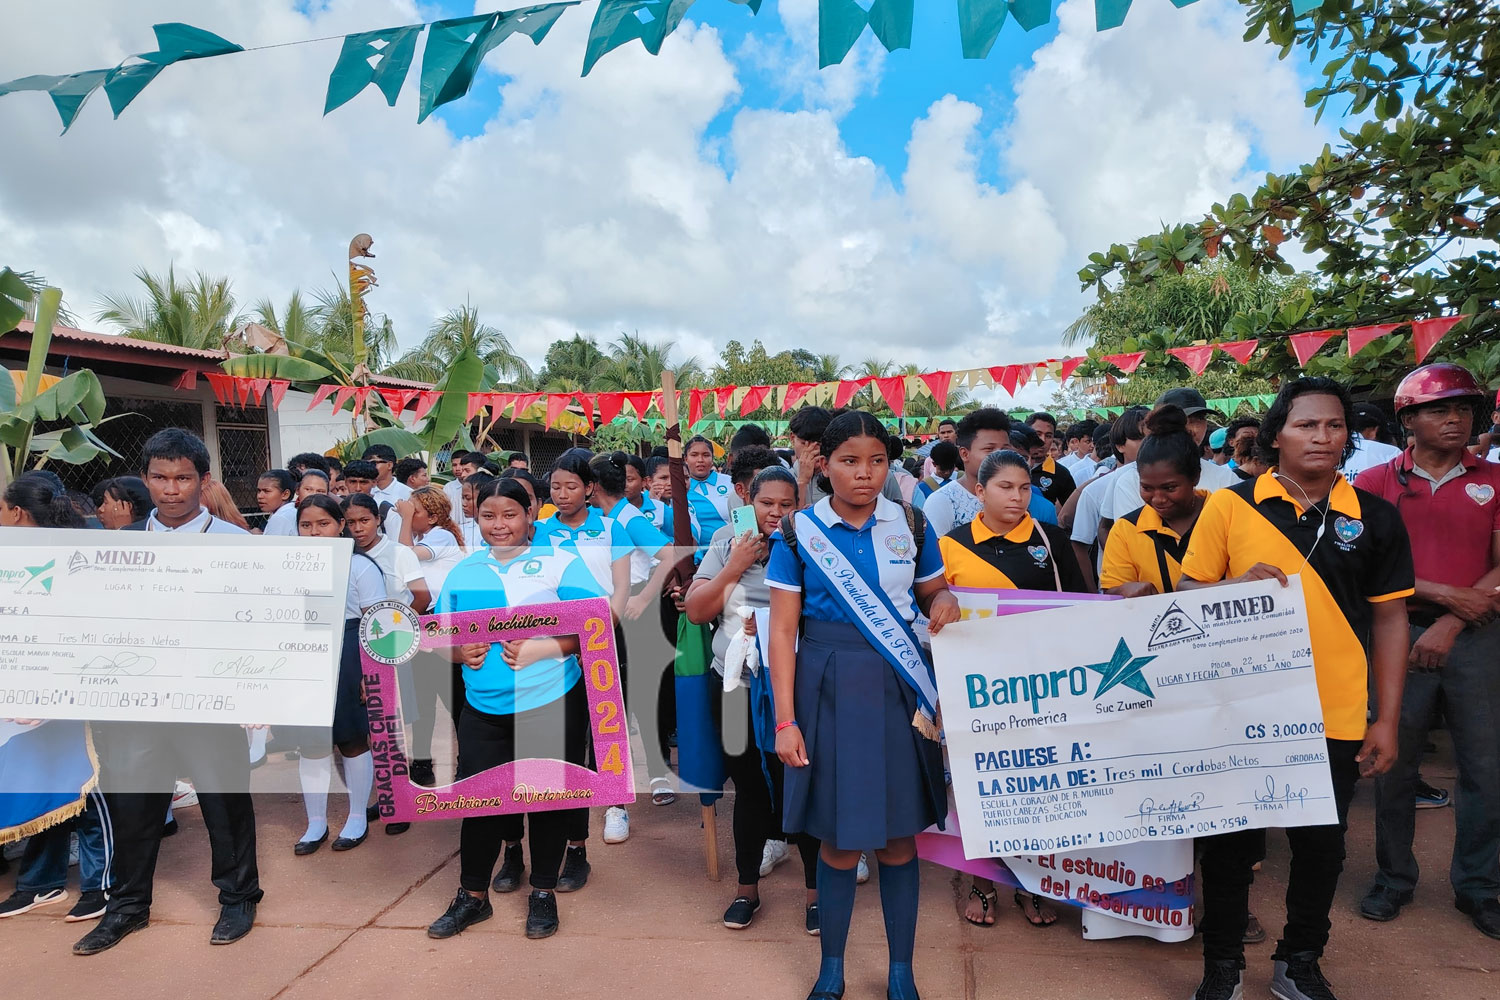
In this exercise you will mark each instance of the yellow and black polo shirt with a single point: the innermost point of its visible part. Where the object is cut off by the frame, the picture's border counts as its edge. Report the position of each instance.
(974, 556)
(1142, 549)
(1363, 558)
(1053, 481)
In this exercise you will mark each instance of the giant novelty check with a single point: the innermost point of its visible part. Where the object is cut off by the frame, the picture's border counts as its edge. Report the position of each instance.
(157, 627)
(1158, 718)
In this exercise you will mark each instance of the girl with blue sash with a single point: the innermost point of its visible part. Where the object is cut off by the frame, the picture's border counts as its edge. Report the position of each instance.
(710, 493)
(856, 702)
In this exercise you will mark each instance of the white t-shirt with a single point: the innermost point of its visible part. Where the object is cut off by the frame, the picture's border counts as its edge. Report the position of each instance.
(204, 524)
(1125, 496)
(950, 505)
(1082, 468)
(445, 555)
(1367, 455)
(283, 520)
(1086, 511)
(393, 493)
(366, 587)
(454, 491)
(473, 540)
(399, 565)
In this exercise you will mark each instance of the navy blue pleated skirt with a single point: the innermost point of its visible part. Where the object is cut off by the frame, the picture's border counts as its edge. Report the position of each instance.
(871, 777)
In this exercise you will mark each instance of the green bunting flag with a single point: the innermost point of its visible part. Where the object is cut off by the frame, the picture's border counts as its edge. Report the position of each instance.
(841, 22)
(979, 23)
(380, 57)
(175, 42)
(619, 21)
(456, 47)
(67, 92)
(1031, 14)
(1110, 13)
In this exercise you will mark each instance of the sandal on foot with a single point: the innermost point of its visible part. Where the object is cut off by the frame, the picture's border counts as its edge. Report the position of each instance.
(989, 900)
(1023, 899)
(661, 792)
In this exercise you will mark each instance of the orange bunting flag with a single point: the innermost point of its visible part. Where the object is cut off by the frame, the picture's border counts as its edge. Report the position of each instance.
(1425, 333)
(1305, 345)
(279, 387)
(795, 391)
(1127, 363)
(258, 387)
(1361, 337)
(893, 390)
(426, 400)
(1240, 350)
(610, 404)
(640, 402)
(754, 397)
(322, 393)
(1196, 358)
(1068, 366)
(221, 386)
(557, 402)
(937, 383)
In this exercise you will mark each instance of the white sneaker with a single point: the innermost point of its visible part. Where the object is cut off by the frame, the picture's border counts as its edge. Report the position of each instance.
(185, 796)
(775, 853)
(616, 825)
(862, 873)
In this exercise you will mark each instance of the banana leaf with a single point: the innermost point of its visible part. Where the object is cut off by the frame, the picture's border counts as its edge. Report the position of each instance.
(276, 366)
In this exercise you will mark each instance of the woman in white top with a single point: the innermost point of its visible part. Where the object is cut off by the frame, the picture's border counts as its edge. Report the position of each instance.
(273, 494)
(320, 516)
(404, 580)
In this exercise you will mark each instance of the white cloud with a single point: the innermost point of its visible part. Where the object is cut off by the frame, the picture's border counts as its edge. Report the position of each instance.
(602, 205)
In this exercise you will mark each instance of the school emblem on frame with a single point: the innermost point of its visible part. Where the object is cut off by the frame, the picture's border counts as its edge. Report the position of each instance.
(388, 633)
(900, 545)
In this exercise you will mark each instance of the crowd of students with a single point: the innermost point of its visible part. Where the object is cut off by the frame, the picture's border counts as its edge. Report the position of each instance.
(829, 727)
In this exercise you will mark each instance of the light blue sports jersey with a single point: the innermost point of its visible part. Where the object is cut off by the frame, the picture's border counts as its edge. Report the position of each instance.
(540, 575)
(599, 541)
(645, 538)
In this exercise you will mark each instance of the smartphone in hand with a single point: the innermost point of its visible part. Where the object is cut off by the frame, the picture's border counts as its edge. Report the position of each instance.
(743, 520)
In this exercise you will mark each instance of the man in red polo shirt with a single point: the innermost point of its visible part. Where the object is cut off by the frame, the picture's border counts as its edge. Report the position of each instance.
(1450, 503)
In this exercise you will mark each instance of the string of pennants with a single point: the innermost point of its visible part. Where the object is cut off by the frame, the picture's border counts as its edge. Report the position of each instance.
(730, 401)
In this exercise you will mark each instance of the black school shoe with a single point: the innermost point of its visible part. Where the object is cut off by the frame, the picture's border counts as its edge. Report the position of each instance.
(1485, 913)
(508, 879)
(575, 872)
(541, 914)
(1222, 980)
(109, 932)
(740, 913)
(421, 772)
(235, 921)
(1382, 903)
(90, 906)
(464, 912)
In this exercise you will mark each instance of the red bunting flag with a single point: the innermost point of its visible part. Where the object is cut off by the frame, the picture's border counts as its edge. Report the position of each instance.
(1127, 363)
(1305, 345)
(361, 397)
(498, 401)
(794, 393)
(695, 405)
(524, 402)
(221, 386)
(477, 402)
(278, 392)
(640, 402)
(893, 391)
(1425, 333)
(258, 387)
(846, 391)
(344, 394)
(1361, 337)
(1067, 367)
(754, 397)
(322, 393)
(426, 400)
(1240, 350)
(610, 404)
(395, 400)
(1196, 358)
(587, 401)
(557, 402)
(723, 396)
(938, 384)
(1008, 377)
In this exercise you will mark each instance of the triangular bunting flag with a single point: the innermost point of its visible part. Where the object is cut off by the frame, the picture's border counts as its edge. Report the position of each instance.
(395, 400)
(939, 382)
(524, 402)
(640, 402)
(498, 401)
(223, 387)
(1127, 363)
(1008, 378)
(794, 394)
(426, 400)
(1305, 345)
(846, 391)
(722, 396)
(1196, 358)
(477, 402)
(279, 387)
(1425, 333)
(586, 400)
(322, 393)
(754, 397)
(893, 391)
(1361, 337)
(695, 406)
(1067, 367)
(258, 387)
(982, 377)
(361, 397)
(557, 402)
(1240, 350)
(610, 404)
(381, 57)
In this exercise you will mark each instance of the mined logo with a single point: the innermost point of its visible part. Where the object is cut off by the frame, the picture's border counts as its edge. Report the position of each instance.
(1123, 669)
(388, 633)
(1173, 627)
(28, 579)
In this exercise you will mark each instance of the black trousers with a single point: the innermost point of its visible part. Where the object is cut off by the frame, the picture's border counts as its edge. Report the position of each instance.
(757, 813)
(559, 730)
(139, 765)
(1317, 861)
(435, 679)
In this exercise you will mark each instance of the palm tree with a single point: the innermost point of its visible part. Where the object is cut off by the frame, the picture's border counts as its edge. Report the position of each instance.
(300, 323)
(635, 365)
(335, 330)
(568, 365)
(823, 367)
(198, 315)
(456, 332)
(36, 283)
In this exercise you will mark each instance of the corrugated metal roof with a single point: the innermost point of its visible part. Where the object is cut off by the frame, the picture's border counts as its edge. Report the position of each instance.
(130, 343)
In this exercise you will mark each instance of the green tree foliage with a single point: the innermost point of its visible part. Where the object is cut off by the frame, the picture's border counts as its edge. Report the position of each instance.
(635, 364)
(757, 366)
(1403, 217)
(459, 332)
(198, 314)
(569, 364)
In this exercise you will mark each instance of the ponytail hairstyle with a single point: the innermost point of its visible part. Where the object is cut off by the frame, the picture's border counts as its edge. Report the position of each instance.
(609, 473)
(627, 460)
(576, 461)
(367, 502)
(1168, 440)
(772, 474)
(48, 506)
(126, 489)
(283, 479)
(439, 511)
(997, 460)
(846, 426)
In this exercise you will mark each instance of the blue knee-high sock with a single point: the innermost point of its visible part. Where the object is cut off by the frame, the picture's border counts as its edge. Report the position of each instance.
(900, 886)
(835, 910)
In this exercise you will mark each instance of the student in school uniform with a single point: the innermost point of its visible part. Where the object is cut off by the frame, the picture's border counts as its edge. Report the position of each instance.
(1352, 552)
(459, 463)
(359, 477)
(321, 516)
(313, 481)
(856, 707)
(121, 501)
(522, 699)
(536, 490)
(412, 473)
(604, 546)
(274, 493)
(404, 580)
(710, 492)
(473, 540)
(140, 762)
(981, 432)
(731, 576)
(386, 488)
(427, 528)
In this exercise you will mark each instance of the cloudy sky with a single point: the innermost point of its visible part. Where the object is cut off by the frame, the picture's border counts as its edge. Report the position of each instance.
(908, 205)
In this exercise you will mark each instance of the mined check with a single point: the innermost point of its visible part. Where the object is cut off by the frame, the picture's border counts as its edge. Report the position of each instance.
(145, 627)
(1160, 718)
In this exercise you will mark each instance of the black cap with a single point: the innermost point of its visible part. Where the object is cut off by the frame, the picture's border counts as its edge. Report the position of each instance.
(1185, 398)
(1368, 415)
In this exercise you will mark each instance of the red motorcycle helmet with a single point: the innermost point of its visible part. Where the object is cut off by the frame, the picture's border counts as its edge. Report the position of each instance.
(1431, 383)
